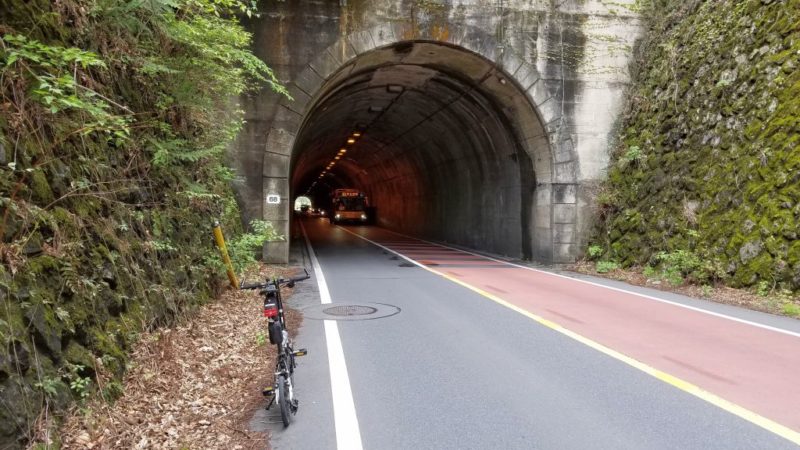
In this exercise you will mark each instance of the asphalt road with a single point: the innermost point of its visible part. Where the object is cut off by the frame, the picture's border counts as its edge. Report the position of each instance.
(455, 370)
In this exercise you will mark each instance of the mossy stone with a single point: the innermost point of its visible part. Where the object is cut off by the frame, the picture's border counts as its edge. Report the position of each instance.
(75, 353)
(47, 330)
(731, 140)
(40, 187)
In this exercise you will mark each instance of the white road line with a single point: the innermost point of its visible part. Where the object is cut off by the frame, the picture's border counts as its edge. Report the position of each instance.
(676, 382)
(348, 435)
(638, 294)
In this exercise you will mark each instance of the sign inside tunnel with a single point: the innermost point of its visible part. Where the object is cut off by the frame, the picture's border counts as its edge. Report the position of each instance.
(273, 199)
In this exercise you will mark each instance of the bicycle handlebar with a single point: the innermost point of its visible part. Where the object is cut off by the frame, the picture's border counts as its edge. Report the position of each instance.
(276, 282)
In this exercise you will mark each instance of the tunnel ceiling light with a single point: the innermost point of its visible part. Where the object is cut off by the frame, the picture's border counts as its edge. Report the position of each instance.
(351, 141)
(342, 151)
(337, 157)
(356, 134)
(394, 88)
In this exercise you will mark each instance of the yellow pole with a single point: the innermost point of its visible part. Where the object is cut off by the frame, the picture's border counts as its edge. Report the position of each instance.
(224, 252)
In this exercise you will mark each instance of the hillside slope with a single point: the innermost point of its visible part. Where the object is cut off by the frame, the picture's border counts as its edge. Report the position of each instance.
(114, 116)
(706, 175)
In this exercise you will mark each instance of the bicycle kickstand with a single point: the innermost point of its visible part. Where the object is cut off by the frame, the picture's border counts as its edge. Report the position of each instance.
(269, 392)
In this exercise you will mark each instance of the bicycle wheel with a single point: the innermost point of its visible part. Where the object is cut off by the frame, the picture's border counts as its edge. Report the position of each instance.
(283, 400)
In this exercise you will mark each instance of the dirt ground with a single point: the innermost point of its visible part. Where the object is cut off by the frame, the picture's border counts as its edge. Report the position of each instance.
(193, 386)
(769, 303)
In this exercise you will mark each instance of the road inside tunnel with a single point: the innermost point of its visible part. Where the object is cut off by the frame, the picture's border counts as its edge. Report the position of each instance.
(434, 135)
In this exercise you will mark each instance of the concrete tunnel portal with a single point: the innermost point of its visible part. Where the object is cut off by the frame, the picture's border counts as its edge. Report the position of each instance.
(450, 148)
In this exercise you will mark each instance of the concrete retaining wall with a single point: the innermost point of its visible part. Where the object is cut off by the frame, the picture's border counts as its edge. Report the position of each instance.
(555, 76)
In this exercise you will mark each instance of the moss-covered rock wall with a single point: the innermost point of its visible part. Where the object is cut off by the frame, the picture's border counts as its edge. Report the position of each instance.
(707, 166)
(113, 119)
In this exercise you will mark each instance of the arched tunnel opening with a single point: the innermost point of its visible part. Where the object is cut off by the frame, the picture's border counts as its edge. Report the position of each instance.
(438, 138)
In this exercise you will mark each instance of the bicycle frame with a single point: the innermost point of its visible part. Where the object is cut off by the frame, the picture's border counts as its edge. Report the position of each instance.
(282, 390)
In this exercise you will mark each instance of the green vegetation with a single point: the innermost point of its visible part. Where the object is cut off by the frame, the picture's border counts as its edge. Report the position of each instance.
(114, 116)
(594, 251)
(606, 266)
(242, 248)
(705, 184)
(79, 384)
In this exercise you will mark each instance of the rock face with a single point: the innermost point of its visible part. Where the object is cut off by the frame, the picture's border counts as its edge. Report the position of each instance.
(714, 119)
(97, 241)
(485, 124)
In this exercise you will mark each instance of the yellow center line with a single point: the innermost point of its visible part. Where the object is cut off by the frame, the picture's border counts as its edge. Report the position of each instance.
(750, 416)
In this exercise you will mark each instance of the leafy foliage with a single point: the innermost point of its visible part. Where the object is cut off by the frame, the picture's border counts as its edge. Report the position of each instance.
(678, 264)
(595, 251)
(114, 116)
(243, 249)
(54, 72)
(77, 382)
(606, 266)
(682, 265)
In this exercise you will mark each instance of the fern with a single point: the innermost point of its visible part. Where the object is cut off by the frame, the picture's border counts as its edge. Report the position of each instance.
(53, 70)
(71, 277)
(77, 284)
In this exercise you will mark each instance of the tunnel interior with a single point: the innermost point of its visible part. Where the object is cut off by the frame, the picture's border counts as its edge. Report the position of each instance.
(432, 134)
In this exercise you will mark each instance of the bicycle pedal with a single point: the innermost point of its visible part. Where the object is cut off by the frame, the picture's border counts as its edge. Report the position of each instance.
(268, 391)
(301, 352)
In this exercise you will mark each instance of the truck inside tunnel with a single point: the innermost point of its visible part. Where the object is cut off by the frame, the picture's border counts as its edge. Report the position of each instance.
(443, 141)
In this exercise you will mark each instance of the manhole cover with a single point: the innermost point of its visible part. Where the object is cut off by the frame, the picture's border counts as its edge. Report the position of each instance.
(350, 310)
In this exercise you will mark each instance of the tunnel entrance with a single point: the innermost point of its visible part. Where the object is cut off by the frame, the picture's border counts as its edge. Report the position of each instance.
(447, 144)
(416, 127)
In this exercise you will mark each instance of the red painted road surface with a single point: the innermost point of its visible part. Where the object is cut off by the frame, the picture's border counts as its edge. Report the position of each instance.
(756, 368)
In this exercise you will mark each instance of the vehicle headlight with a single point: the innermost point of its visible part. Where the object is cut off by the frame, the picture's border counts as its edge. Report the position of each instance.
(322, 213)
(363, 217)
(338, 216)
